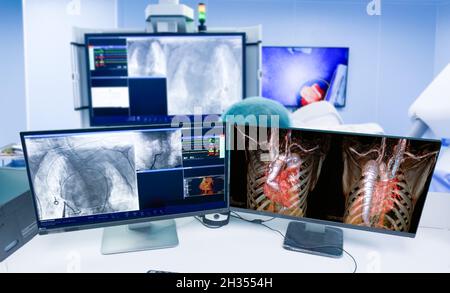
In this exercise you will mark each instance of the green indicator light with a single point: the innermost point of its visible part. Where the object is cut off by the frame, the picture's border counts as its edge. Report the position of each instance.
(202, 12)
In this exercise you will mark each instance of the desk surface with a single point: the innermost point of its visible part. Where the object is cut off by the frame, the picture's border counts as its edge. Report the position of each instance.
(246, 247)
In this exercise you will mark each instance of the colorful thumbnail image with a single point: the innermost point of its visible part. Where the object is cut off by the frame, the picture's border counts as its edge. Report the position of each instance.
(299, 76)
(204, 186)
(367, 181)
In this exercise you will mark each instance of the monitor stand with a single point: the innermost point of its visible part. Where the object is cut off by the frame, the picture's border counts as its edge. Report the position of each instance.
(314, 239)
(139, 237)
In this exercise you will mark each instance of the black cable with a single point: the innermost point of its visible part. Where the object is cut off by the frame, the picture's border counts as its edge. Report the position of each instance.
(256, 221)
(262, 223)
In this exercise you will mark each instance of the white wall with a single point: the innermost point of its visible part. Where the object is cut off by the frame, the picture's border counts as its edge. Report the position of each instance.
(48, 26)
(407, 46)
(392, 55)
(12, 79)
(442, 36)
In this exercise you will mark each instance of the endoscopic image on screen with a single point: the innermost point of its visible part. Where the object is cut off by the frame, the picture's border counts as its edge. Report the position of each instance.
(83, 175)
(204, 72)
(299, 76)
(367, 181)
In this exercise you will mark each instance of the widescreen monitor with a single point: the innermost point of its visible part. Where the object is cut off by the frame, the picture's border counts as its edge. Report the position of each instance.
(115, 176)
(369, 182)
(149, 78)
(299, 76)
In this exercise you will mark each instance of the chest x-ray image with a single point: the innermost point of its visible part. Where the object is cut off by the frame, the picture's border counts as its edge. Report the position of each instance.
(204, 72)
(83, 175)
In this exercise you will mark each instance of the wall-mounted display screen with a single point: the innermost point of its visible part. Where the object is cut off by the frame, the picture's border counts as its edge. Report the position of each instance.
(299, 76)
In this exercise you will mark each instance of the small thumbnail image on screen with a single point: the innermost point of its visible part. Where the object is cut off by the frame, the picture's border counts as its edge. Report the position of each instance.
(204, 186)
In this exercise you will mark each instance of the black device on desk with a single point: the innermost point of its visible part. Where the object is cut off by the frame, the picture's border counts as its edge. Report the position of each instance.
(126, 176)
(374, 183)
(17, 218)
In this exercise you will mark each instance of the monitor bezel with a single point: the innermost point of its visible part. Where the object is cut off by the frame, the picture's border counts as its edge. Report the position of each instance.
(111, 223)
(141, 34)
(325, 222)
(312, 47)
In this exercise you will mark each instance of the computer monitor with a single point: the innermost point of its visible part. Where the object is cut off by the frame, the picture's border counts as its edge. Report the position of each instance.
(368, 182)
(95, 178)
(299, 76)
(149, 78)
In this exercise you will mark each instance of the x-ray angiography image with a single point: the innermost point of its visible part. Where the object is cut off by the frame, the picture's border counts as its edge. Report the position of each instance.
(158, 150)
(146, 58)
(204, 72)
(83, 175)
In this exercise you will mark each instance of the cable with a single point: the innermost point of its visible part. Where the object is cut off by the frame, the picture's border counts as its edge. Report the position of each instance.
(256, 221)
(262, 223)
(434, 228)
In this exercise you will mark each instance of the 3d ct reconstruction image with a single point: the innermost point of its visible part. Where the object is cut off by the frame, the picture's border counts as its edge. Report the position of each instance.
(383, 181)
(281, 179)
(83, 175)
(204, 186)
(200, 72)
(365, 181)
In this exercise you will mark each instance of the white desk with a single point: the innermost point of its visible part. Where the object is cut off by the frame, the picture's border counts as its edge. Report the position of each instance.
(245, 247)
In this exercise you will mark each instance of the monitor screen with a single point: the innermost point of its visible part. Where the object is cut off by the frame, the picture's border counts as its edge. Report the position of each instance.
(299, 76)
(90, 177)
(148, 78)
(376, 183)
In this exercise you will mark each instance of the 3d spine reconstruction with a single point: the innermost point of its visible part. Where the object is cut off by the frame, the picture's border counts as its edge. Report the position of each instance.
(282, 183)
(382, 185)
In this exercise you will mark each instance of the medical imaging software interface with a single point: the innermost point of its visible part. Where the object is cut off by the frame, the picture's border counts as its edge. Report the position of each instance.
(366, 181)
(135, 79)
(95, 177)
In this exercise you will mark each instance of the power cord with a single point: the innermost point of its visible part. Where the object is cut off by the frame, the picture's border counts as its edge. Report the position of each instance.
(262, 223)
(434, 228)
(255, 221)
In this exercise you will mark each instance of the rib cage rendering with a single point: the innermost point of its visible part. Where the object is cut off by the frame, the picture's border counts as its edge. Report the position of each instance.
(282, 184)
(382, 183)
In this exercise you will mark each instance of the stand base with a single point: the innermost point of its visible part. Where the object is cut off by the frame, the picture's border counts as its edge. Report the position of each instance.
(140, 237)
(314, 239)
